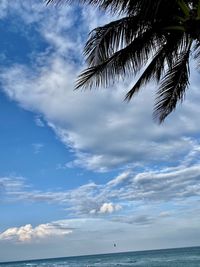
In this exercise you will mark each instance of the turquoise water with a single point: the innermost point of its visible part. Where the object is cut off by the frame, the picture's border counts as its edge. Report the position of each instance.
(184, 257)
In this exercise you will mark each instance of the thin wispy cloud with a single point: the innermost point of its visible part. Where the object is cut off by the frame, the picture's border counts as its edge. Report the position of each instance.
(37, 147)
(120, 194)
(39, 122)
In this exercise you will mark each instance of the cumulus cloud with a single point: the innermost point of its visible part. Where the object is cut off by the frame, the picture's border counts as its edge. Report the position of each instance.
(107, 208)
(28, 233)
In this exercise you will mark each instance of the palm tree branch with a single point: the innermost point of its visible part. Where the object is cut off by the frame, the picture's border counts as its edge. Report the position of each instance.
(128, 60)
(116, 6)
(147, 8)
(153, 70)
(104, 41)
(164, 56)
(173, 86)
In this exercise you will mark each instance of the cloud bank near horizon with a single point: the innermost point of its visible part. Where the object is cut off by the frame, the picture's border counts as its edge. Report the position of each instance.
(28, 233)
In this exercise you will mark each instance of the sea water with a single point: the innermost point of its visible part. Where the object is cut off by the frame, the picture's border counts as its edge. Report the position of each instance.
(181, 257)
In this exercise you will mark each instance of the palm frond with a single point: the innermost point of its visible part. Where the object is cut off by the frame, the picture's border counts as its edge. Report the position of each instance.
(176, 43)
(113, 5)
(153, 70)
(165, 56)
(159, 30)
(172, 88)
(128, 60)
(104, 41)
(147, 8)
(197, 50)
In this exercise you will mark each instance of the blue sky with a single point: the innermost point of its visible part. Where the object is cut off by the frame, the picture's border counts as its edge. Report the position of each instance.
(82, 170)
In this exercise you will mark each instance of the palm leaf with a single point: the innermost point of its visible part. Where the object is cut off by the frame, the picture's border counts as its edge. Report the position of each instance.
(165, 56)
(150, 29)
(172, 88)
(104, 41)
(128, 60)
(147, 8)
(198, 9)
(197, 50)
(184, 8)
(114, 5)
(153, 70)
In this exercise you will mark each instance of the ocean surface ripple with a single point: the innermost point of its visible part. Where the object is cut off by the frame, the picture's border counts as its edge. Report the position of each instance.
(181, 257)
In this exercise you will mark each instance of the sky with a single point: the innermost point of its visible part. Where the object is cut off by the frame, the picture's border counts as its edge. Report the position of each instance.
(81, 171)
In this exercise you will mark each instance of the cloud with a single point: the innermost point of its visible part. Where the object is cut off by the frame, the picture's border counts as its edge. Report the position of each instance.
(83, 129)
(136, 220)
(121, 178)
(11, 184)
(98, 236)
(100, 129)
(107, 208)
(37, 147)
(39, 122)
(158, 166)
(28, 233)
(3, 8)
(129, 191)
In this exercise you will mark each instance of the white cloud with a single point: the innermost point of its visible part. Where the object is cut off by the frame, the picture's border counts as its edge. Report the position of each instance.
(131, 190)
(106, 208)
(109, 208)
(39, 122)
(100, 140)
(121, 178)
(12, 184)
(93, 236)
(3, 8)
(102, 131)
(28, 233)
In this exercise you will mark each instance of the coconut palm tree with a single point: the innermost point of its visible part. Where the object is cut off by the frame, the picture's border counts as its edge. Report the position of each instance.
(153, 39)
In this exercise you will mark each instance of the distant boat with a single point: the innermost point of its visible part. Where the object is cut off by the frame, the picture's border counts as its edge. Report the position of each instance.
(115, 245)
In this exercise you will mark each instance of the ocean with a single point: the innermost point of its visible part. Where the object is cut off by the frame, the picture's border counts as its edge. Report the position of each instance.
(179, 257)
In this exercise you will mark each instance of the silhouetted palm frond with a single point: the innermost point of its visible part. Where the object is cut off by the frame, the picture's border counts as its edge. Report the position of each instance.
(104, 41)
(164, 57)
(153, 38)
(148, 8)
(173, 86)
(128, 60)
